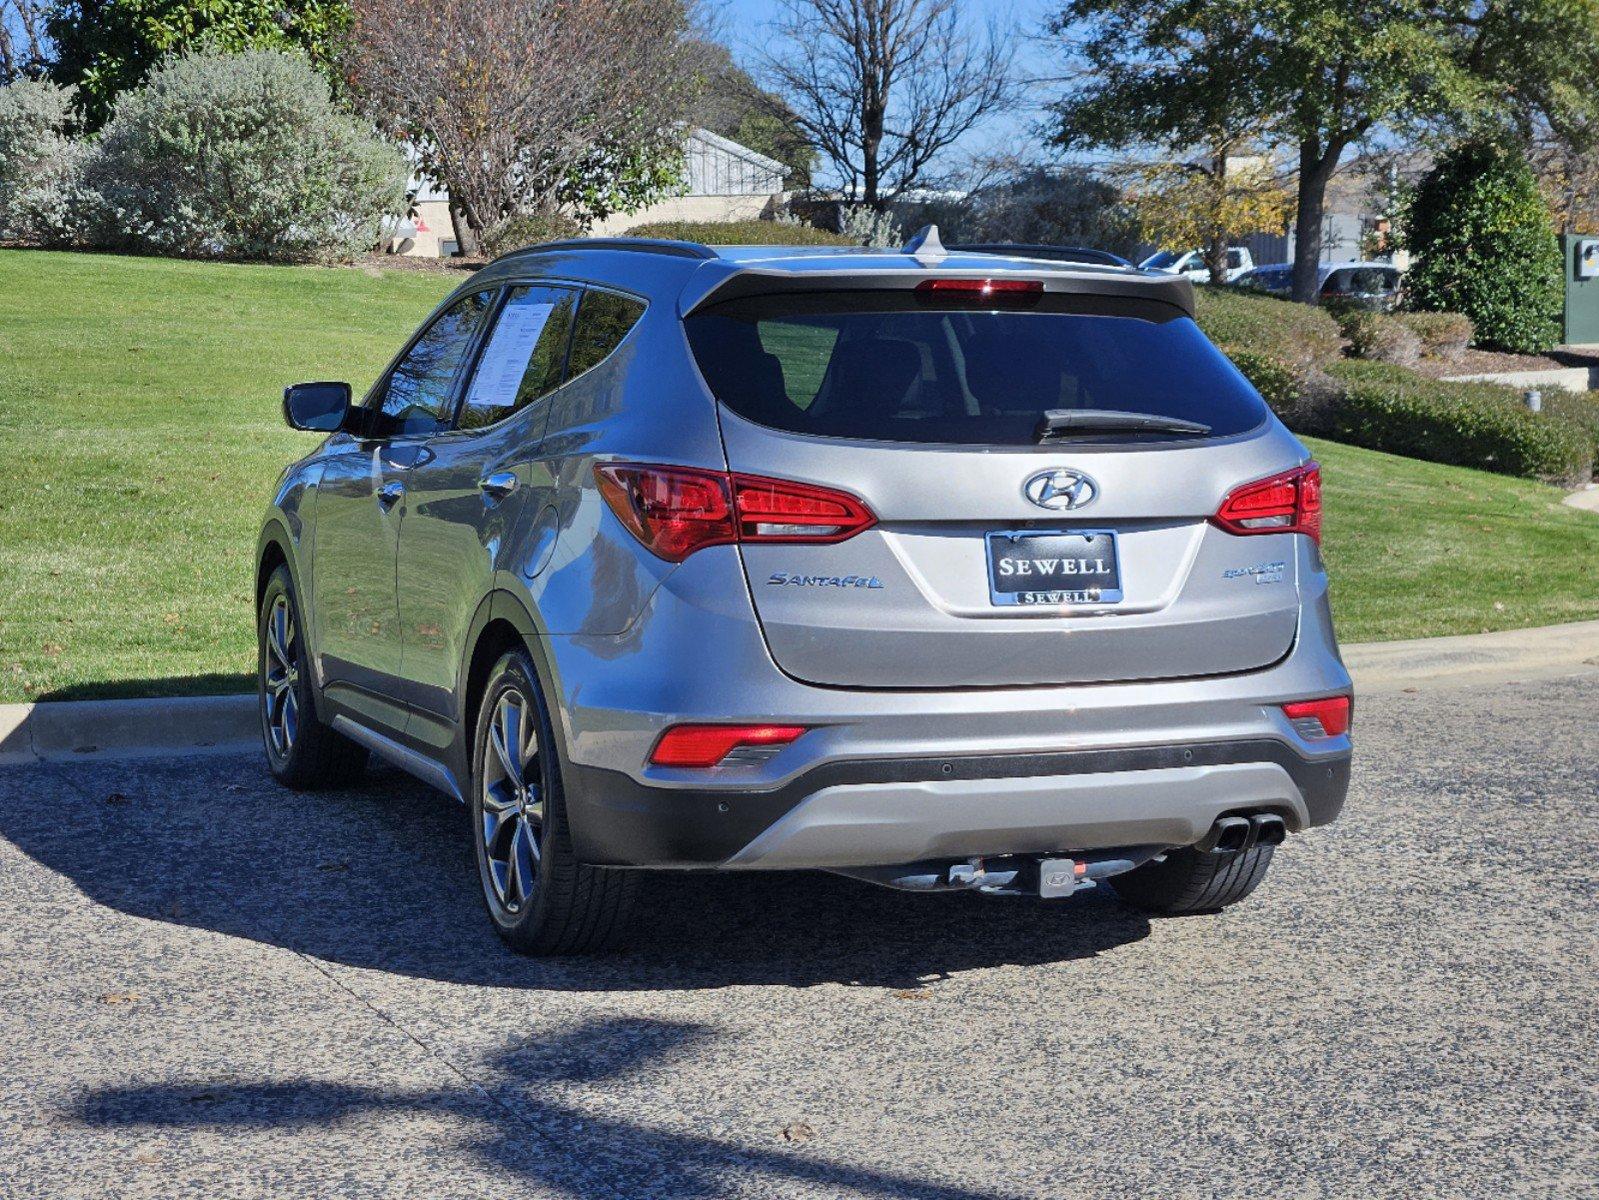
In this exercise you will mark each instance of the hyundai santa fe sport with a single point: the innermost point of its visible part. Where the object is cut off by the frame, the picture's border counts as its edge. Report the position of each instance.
(942, 570)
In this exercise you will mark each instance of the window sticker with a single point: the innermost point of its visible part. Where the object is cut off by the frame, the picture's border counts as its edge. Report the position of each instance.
(504, 362)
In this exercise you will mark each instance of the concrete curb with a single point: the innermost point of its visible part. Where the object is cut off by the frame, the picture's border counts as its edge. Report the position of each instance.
(1547, 652)
(74, 729)
(71, 730)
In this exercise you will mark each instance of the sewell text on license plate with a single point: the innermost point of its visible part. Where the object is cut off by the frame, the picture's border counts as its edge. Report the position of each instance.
(1054, 568)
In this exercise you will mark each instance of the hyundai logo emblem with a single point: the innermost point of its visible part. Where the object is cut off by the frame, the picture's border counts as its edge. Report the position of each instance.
(1059, 489)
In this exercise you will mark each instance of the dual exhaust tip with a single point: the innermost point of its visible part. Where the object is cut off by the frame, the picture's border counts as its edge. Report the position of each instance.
(1233, 835)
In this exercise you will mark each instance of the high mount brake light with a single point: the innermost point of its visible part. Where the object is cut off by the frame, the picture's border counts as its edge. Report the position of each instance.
(1330, 716)
(1285, 503)
(707, 745)
(674, 511)
(980, 287)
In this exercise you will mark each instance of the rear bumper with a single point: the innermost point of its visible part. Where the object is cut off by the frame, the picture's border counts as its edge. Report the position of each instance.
(884, 811)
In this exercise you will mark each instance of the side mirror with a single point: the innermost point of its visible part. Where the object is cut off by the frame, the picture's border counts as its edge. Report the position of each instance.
(318, 407)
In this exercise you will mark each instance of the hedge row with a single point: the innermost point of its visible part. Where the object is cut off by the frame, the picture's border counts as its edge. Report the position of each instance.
(1295, 334)
(1463, 424)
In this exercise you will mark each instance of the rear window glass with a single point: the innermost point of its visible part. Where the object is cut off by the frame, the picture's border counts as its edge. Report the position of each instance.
(887, 366)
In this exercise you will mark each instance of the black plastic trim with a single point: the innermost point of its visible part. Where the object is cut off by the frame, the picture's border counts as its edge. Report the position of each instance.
(617, 820)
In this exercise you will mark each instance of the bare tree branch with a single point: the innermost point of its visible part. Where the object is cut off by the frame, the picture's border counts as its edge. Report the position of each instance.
(24, 48)
(507, 101)
(884, 87)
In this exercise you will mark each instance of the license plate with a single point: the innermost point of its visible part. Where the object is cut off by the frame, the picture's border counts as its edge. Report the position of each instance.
(1030, 567)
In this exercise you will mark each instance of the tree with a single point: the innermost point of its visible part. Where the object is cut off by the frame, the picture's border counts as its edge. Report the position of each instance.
(24, 48)
(105, 47)
(884, 87)
(1207, 201)
(1483, 245)
(520, 106)
(1323, 75)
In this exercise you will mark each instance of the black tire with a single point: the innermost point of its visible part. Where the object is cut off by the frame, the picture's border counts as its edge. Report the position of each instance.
(540, 898)
(302, 752)
(1190, 882)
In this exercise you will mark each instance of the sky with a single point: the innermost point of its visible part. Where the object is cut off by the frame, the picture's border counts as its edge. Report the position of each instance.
(743, 22)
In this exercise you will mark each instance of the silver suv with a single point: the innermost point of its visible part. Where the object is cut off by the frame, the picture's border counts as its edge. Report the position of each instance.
(942, 570)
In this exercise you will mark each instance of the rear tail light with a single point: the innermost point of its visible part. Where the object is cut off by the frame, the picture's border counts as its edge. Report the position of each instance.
(1319, 718)
(707, 745)
(1286, 503)
(674, 511)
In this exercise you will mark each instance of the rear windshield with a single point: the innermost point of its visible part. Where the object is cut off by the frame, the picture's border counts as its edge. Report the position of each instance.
(888, 366)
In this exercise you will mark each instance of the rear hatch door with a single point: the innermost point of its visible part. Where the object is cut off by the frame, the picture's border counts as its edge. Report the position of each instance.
(998, 558)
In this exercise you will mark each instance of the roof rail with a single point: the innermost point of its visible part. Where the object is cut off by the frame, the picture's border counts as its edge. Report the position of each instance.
(641, 245)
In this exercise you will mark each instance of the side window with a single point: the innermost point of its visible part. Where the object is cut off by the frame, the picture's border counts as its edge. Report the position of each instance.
(417, 397)
(603, 320)
(524, 356)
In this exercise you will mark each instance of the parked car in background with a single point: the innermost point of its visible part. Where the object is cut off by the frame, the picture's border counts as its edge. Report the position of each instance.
(952, 572)
(1370, 285)
(1192, 264)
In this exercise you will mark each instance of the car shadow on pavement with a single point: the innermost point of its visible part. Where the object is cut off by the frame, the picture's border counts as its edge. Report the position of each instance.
(381, 876)
(527, 1119)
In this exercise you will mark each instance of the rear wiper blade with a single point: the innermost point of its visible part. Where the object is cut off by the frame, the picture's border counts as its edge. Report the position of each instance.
(1063, 422)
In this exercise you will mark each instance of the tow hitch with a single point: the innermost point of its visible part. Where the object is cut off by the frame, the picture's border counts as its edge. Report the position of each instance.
(1008, 875)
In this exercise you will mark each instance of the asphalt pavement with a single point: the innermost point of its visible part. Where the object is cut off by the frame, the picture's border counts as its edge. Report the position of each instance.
(211, 987)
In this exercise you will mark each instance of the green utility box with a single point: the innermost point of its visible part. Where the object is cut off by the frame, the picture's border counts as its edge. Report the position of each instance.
(1581, 256)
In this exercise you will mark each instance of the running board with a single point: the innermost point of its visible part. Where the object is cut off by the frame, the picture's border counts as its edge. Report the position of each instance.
(408, 760)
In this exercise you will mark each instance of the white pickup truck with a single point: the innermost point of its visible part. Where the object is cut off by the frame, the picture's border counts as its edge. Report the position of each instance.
(1192, 264)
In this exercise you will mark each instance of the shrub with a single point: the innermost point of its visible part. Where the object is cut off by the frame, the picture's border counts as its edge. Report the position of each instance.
(1299, 395)
(1462, 424)
(1379, 337)
(240, 155)
(1576, 408)
(38, 162)
(1296, 334)
(741, 233)
(527, 229)
(1443, 334)
(1484, 246)
(865, 226)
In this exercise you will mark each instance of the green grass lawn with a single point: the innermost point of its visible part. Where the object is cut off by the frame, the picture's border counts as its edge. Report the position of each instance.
(141, 435)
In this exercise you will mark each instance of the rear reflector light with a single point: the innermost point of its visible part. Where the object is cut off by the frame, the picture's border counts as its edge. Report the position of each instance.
(1319, 718)
(675, 511)
(981, 287)
(1286, 503)
(707, 745)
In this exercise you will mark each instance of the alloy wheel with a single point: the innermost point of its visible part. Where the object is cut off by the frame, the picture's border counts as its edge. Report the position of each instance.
(512, 817)
(282, 676)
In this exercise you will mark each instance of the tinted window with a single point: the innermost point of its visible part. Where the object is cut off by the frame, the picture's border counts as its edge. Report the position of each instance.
(603, 320)
(883, 365)
(524, 356)
(417, 396)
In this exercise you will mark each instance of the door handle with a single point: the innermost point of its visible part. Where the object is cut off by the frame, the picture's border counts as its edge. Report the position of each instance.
(498, 486)
(390, 493)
